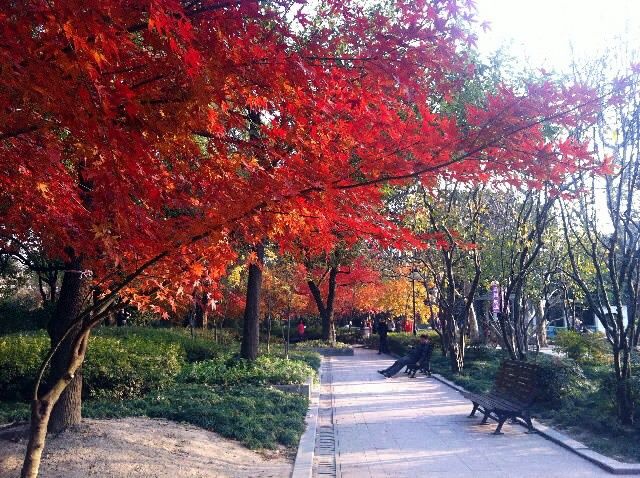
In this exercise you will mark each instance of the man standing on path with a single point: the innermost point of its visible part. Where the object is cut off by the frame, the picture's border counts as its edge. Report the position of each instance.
(383, 330)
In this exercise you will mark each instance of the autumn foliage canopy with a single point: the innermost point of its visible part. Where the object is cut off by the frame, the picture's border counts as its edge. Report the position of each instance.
(166, 132)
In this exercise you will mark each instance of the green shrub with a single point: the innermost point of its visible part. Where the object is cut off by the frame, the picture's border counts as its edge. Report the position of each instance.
(583, 348)
(114, 368)
(400, 342)
(14, 412)
(197, 348)
(483, 353)
(256, 416)
(19, 317)
(20, 359)
(349, 336)
(124, 368)
(318, 344)
(264, 370)
(312, 359)
(559, 379)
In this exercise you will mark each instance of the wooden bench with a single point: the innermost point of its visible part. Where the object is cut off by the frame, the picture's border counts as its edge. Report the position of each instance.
(513, 393)
(422, 366)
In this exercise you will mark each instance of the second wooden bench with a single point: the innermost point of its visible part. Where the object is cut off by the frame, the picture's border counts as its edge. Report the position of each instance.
(513, 393)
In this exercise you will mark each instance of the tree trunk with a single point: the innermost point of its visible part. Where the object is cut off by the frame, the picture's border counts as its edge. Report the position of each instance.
(251, 322)
(60, 406)
(202, 312)
(456, 353)
(541, 325)
(326, 310)
(474, 333)
(485, 333)
(42, 408)
(624, 399)
(74, 297)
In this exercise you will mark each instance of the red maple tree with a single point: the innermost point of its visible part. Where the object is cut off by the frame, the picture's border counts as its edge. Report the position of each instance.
(141, 140)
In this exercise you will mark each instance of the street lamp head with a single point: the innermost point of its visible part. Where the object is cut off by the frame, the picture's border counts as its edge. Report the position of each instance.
(415, 275)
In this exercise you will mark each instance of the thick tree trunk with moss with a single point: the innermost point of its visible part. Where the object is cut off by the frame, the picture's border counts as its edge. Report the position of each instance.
(74, 297)
(60, 406)
(251, 322)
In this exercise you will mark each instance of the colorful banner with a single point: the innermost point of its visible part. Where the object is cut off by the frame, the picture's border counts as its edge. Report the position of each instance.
(495, 297)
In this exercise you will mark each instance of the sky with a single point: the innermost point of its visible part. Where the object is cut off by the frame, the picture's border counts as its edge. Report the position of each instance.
(541, 32)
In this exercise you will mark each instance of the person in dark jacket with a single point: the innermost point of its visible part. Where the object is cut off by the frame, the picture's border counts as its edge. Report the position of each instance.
(383, 330)
(425, 362)
(414, 356)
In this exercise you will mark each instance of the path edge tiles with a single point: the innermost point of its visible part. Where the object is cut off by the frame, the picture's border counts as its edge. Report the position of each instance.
(614, 467)
(303, 465)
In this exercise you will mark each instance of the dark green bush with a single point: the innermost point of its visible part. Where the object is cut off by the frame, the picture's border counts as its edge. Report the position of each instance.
(197, 348)
(400, 342)
(559, 379)
(264, 370)
(583, 348)
(349, 336)
(258, 417)
(124, 368)
(20, 359)
(18, 317)
(14, 412)
(312, 359)
(483, 353)
(114, 368)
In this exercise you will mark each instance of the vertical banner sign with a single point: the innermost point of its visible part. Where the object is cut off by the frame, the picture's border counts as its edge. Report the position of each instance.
(495, 297)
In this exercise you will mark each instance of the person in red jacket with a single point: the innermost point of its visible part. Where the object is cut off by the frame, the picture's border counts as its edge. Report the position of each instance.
(300, 328)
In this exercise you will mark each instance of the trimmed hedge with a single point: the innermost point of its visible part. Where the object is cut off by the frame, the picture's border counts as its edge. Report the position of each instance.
(20, 358)
(117, 369)
(232, 371)
(317, 344)
(197, 348)
(114, 368)
(399, 342)
(312, 359)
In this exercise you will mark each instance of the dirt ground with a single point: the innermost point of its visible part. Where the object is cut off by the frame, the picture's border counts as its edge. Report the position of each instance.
(142, 447)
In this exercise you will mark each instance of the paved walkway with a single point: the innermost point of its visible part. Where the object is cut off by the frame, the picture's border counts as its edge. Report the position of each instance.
(419, 428)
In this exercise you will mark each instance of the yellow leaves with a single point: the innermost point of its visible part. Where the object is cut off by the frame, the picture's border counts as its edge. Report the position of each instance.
(44, 189)
(235, 276)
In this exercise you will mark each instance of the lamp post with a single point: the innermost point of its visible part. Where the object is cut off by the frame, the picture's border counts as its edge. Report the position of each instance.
(414, 276)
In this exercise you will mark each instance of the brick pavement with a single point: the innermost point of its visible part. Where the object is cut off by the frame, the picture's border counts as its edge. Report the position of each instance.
(412, 428)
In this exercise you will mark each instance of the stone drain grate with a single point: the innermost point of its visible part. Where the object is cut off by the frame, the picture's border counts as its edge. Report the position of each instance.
(324, 461)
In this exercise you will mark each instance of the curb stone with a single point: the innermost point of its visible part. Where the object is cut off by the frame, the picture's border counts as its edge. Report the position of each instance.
(614, 467)
(303, 465)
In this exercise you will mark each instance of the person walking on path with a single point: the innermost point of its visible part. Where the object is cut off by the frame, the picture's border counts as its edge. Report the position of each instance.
(383, 330)
(414, 356)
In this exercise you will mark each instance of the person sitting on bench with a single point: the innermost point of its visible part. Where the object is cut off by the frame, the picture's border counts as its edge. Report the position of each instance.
(414, 356)
(424, 364)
